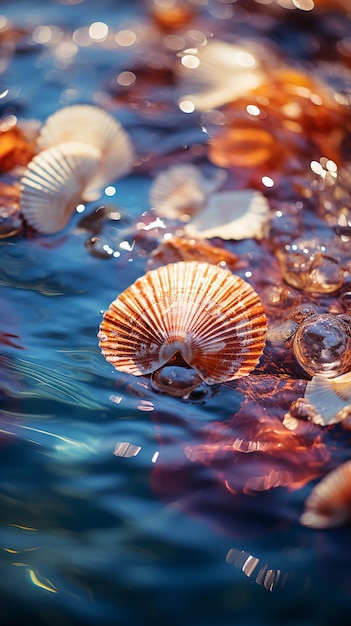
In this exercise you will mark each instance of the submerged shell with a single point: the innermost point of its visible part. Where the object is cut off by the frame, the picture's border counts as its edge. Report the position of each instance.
(231, 215)
(330, 398)
(54, 183)
(94, 126)
(181, 191)
(185, 249)
(224, 73)
(329, 503)
(299, 426)
(213, 318)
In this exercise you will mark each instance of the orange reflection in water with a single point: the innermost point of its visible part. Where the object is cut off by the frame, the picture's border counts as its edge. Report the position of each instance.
(170, 14)
(15, 149)
(280, 126)
(255, 452)
(226, 471)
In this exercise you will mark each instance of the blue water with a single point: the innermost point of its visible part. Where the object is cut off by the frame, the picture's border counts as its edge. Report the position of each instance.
(87, 536)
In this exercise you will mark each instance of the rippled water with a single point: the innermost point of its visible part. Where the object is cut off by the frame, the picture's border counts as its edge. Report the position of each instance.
(101, 520)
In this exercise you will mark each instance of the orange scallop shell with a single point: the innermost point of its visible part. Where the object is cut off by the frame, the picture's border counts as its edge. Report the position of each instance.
(329, 503)
(213, 318)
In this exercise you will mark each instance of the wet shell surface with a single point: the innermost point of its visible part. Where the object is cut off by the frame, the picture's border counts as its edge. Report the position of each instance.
(180, 191)
(330, 398)
(220, 72)
(236, 214)
(54, 183)
(329, 503)
(185, 249)
(213, 318)
(94, 126)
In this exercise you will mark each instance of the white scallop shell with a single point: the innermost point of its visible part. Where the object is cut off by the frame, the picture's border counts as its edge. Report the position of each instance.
(299, 426)
(181, 190)
(224, 72)
(53, 184)
(239, 214)
(330, 398)
(329, 503)
(90, 124)
(213, 318)
(280, 331)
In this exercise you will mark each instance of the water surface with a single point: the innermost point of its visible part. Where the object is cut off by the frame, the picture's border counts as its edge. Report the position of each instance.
(88, 533)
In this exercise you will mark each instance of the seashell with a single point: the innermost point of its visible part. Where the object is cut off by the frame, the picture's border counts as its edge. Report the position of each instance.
(90, 124)
(220, 72)
(185, 249)
(329, 503)
(300, 426)
(280, 331)
(53, 184)
(330, 398)
(231, 215)
(322, 345)
(180, 191)
(213, 318)
(302, 418)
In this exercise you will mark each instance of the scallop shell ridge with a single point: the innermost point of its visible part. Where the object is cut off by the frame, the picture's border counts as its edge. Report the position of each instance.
(330, 398)
(212, 317)
(182, 189)
(53, 184)
(231, 214)
(95, 126)
(225, 72)
(329, 503)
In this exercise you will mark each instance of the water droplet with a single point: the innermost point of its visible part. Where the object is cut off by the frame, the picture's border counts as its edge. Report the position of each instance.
(282, 228)
(322, 345)
(177, 381)
(307, 267)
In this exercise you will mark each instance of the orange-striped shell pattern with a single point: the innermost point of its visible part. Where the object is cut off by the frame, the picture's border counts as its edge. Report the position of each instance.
(213, 318)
